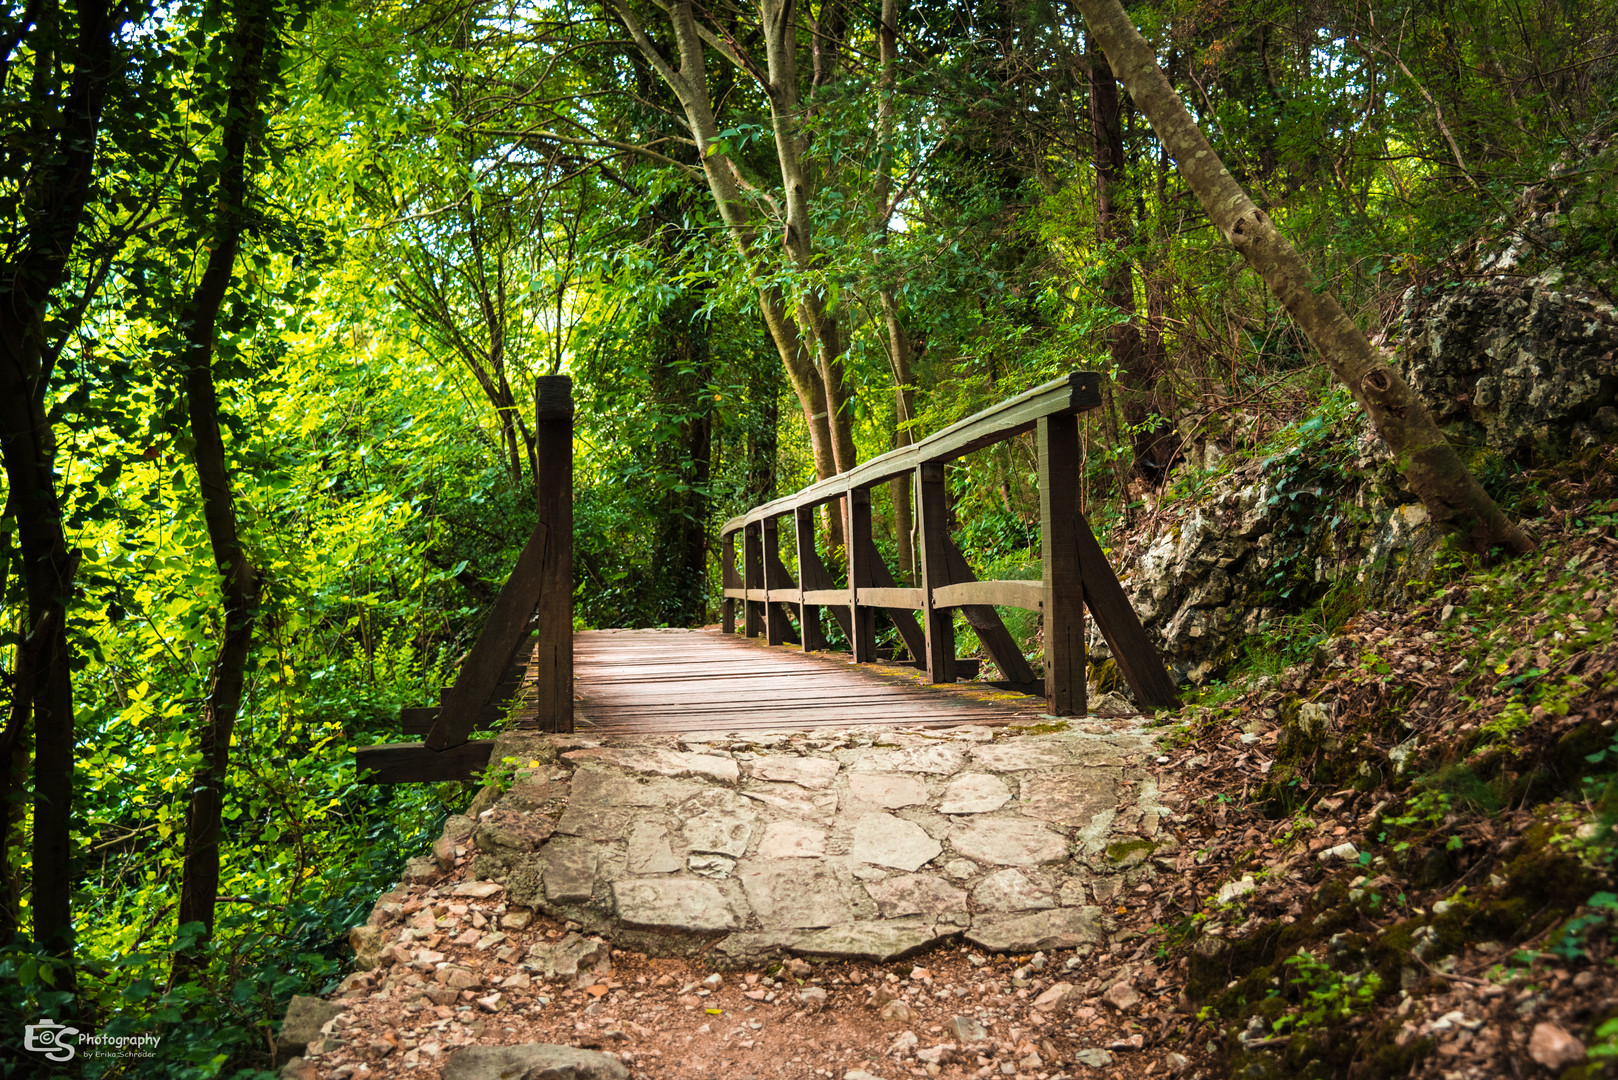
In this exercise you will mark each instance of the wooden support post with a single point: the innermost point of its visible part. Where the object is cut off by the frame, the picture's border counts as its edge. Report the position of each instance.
(803, 531)
(991, 629)
(933, 520)
(729, 579)
(812, 574)
(752, 578)
(861, 552)
(553, 652)
(904, 621)
(1138, 661)
(1059, 464)
(769, 548)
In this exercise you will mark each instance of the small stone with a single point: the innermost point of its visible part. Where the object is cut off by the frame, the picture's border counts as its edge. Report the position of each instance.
(1232, 891)
(966, 1029)
(1053, 997)
(478, 890)
(1121, 996)
(905, 1043)
(899, 1010)
(457, 978)
(1094, 1057)
(1551, 1046)
(1344, 852)
(520, 981)
(860, 1074)
(490, 1003)
(813, 996)
(714, 981)
(517, 919)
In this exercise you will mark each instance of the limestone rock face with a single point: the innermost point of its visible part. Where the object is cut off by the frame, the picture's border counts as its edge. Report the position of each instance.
(1530, 364)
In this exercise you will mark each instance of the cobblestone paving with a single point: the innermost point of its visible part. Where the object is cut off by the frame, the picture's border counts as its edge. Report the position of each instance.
(842, 845)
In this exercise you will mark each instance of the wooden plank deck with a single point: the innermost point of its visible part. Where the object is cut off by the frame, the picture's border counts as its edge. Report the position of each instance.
(642, 682)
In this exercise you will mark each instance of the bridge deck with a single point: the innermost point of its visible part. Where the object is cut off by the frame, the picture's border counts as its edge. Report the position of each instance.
(633, 682)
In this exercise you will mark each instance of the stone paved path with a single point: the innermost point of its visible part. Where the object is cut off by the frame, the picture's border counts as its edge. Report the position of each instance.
(843, 844)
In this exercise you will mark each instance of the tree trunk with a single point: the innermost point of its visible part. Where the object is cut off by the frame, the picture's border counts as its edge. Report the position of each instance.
(1153, 446)
(796, 340)
(1449, 491)
(238, 579)
(679, 372)
(904, 393)
(62, 143)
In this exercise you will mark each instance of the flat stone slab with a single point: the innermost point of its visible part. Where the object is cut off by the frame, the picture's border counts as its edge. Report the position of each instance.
(717, 822)
(889, 791)
(1008, 841)
(650, 851)
(809, 772)
(1058, 928)
(916, 894)
(681, 904)
(974, 793)
(1015, 755)
(795, 895)
(792, 840)
(879, 941)
(1070, 796)
(568, 870)
(793, 800)
(938, 758)
(1011, 890)
(892, 841)
(651, 761)
(538, 1060)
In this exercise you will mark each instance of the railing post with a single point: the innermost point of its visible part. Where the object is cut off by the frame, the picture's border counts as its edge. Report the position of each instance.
(728, 580)
(553, 452)
(939, 623)
(752, 578)
(1059, 465)
(769, 553)
(803, 529)
(856, 542)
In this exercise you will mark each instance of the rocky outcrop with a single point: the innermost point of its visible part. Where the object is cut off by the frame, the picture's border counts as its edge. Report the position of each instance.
(1254, 548)
(1526, 366)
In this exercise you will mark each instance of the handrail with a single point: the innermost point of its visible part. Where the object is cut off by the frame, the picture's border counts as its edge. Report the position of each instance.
(1076, 574)
(1073, 393)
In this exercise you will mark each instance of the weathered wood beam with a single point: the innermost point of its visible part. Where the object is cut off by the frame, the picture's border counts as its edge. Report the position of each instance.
(417, 763)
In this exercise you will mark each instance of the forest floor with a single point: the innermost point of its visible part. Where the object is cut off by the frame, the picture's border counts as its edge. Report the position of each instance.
(1393, 859)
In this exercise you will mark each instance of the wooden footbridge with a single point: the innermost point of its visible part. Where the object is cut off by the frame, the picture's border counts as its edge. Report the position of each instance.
(629, 682)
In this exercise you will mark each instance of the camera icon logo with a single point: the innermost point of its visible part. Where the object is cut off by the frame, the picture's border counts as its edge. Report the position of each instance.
(49, 1038)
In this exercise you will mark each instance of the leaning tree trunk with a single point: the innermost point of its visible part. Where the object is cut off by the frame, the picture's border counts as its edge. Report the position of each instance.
(1428, 463)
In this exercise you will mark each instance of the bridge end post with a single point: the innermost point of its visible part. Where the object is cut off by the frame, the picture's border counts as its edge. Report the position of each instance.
(553, 453)
(933, 517)
(1059, 464)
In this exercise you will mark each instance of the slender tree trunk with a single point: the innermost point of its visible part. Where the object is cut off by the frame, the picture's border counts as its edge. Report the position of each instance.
(680, 544)
(904, 392)
(238, 579)
(1153, 445)
(1449, 491)
(61, 142)
(798, 331)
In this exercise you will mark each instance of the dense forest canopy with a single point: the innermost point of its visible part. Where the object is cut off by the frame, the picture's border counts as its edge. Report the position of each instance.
(279, 276)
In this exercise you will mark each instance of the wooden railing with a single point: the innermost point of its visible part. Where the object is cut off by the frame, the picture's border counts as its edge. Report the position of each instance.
(1076, 574)
(526, 644)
